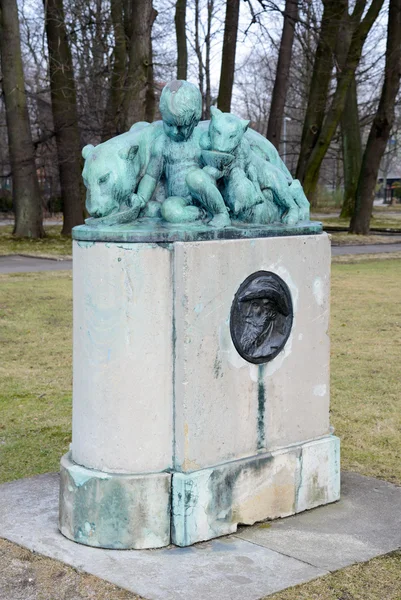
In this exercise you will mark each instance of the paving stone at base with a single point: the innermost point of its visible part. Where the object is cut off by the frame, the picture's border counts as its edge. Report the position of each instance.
(109, 510)
(211, 502)
(227, 569)
(365, 523)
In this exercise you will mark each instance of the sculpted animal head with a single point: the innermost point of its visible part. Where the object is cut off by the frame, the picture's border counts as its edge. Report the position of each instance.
(226, 130)
(106, 176)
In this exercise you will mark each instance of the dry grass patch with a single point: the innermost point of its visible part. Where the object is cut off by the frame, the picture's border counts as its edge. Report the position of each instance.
(365, 366)
(54, 244)
(351, 239)
(378, 579)
(353, 259)
(28, 576)
(381, 220)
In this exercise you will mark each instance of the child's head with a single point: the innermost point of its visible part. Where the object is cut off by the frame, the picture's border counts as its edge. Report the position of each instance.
(181, 109)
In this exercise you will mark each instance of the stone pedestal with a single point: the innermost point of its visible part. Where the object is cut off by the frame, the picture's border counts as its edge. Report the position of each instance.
(172, 429)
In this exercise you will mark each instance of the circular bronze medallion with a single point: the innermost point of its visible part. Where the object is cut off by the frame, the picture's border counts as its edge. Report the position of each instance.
(261, 317)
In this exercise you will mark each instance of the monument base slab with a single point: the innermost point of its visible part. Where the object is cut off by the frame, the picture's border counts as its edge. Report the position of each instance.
(212, 502)
(109, 510)
(201, 387)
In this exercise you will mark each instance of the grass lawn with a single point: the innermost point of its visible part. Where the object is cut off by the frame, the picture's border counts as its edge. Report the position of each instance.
(35, 371)
(379, 208)
(379, 220)
(35, 392)
(52, 245)
(378, 579)
(339, 238)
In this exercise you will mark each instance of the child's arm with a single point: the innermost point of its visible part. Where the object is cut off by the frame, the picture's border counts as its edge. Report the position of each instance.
(149, 181)
(213, 172)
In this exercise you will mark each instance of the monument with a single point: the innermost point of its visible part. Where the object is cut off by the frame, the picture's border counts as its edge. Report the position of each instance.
(201, 351)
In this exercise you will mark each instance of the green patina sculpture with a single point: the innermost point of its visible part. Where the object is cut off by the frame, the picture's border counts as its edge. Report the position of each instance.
(181, 170)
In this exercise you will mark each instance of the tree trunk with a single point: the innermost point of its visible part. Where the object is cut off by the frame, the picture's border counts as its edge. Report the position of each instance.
(228, 56)
(26, 194)
(350, 127)
(111, 122)
(140, 62)
(64, 108)
(331, 121)
(382, 124)
(282, 73)
(198, 53)
(352, 150)
(208, 40)
(320, 83)
(181, 35)
(150, 91)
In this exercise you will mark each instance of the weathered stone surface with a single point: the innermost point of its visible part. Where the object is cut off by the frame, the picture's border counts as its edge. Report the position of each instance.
(225, 407)
(212, 502)
(365, 522)
(159, 385)
(122, 390)
(114, 511)
(148, 230)
(318, 476)
(223, 569)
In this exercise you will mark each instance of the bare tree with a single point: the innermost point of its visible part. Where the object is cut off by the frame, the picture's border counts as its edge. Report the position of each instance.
(65, 117)
(350, 126)
(138, 103)
(282, 73)
(382, 124)
(208, 43)
(198, 50)
(111, 124)
(320, 82)
(360, 32)
(228, 56)
(352, 149)
(181, 35)
(26, 195)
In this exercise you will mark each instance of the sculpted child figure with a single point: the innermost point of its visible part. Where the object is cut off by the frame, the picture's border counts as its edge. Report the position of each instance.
(176, 158)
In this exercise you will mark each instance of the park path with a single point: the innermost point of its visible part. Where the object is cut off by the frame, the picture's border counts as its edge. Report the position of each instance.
(17, 263)
(365, 249)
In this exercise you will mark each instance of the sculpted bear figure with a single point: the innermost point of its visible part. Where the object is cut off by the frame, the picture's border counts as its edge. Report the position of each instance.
(257, 186)
(182, 170)
(113, 170)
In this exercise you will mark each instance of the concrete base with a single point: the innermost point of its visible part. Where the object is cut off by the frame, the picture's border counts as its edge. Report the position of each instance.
(251, 564)
(212, 502)
(110, 510)
(114, 511)
(160, 387)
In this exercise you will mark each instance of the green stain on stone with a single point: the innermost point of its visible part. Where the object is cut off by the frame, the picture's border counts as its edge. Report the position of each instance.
(80, 476)
(83, 244)
(261, 408)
